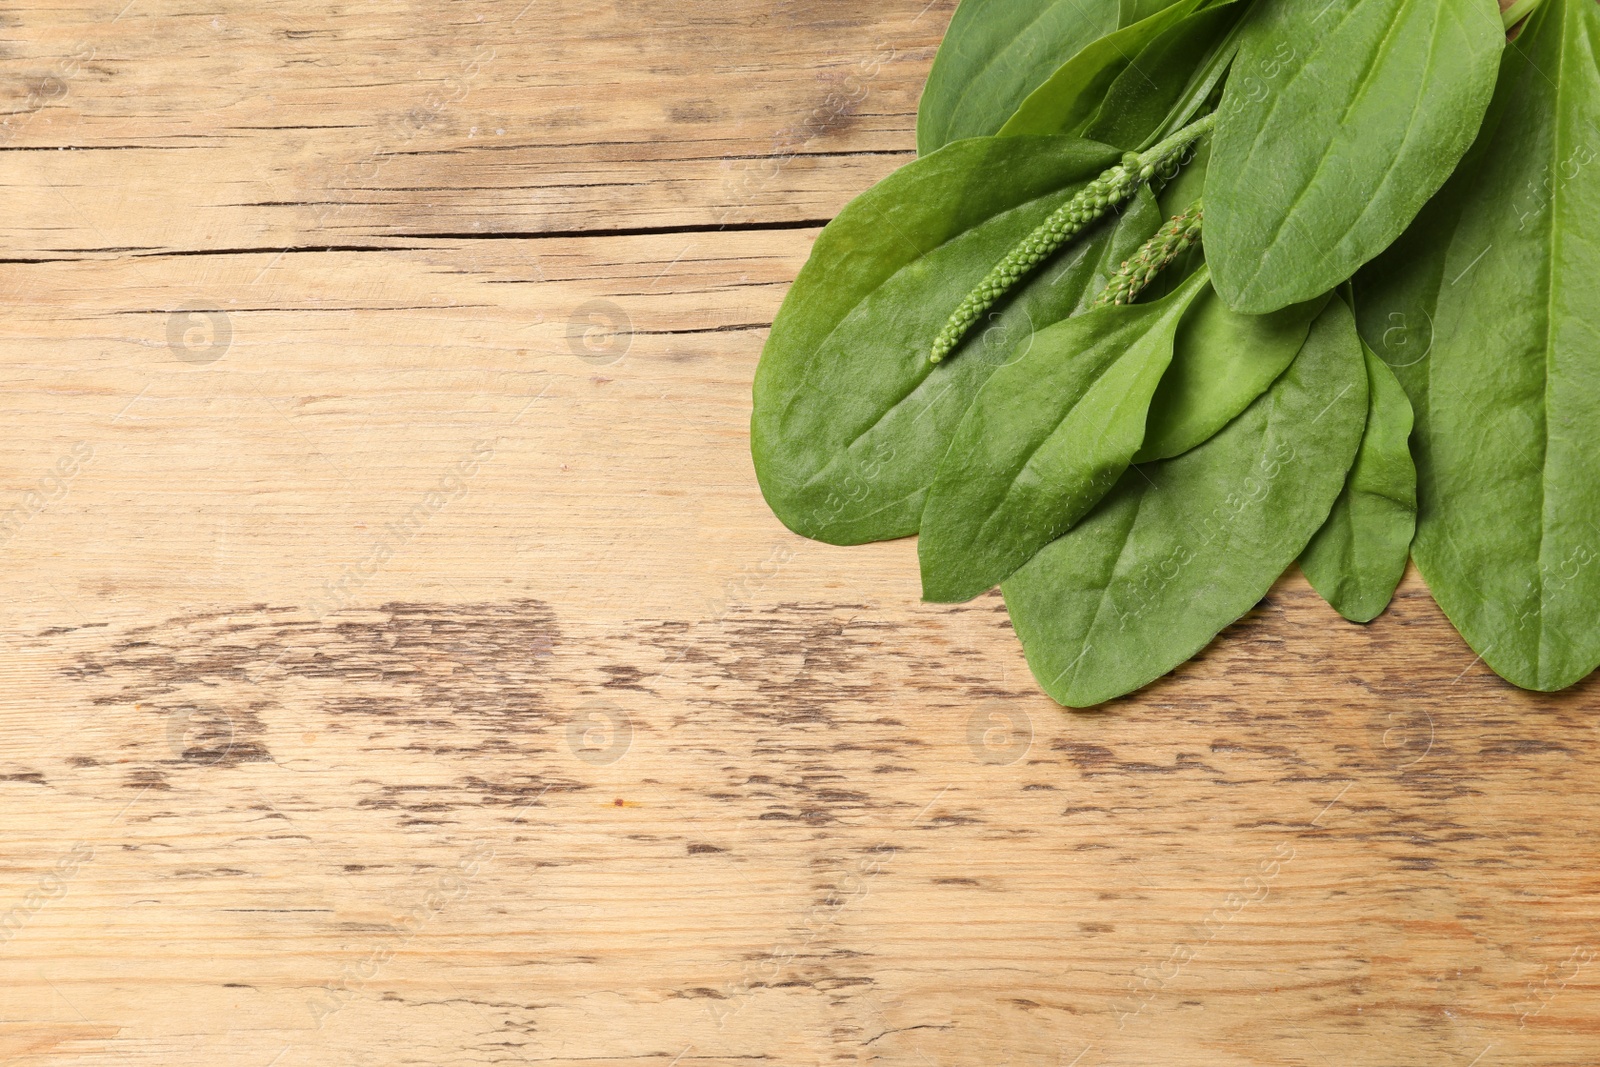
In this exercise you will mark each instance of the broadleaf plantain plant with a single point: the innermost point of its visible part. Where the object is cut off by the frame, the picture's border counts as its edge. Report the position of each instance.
(1374, 313)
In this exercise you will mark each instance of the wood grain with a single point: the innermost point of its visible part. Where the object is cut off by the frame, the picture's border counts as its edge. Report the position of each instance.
(400, 665)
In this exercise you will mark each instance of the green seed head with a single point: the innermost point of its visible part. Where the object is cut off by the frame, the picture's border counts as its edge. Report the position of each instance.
(1113, 186)
(1153, 256)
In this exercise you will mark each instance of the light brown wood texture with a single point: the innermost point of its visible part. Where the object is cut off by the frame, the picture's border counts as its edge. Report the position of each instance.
(398, 663)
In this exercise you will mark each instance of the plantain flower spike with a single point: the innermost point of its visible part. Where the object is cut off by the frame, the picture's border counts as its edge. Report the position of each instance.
(1110, 189)
(1153, 257)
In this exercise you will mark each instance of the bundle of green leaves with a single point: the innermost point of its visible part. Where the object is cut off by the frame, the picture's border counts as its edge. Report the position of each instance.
(1368, 330)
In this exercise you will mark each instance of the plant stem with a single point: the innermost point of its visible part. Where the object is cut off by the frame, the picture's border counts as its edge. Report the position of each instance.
(1518, 11)
(1154, 256)
(1091, 202)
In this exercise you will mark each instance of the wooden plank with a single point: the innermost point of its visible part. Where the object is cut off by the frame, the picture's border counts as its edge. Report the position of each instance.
(245, 126)
(398, 663)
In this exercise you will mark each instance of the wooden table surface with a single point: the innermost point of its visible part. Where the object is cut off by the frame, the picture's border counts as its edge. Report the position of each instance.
(400, 666)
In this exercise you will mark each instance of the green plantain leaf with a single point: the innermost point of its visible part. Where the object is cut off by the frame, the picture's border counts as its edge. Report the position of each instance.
(1339, 120)
(850, 419)
(1067, 102)
(1357, 558)
(1180, 549)
(1139, 101)
(1048, 434)
(994, 54)
(1223, 361)
(1488, 309)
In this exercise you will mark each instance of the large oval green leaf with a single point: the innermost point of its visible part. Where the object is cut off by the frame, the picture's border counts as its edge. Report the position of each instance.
(996, 52)
(1222, 361)
(1046, 437)
(850, 419)
(1489, 311)
(1180, 549)
(1358, 557)
(1067, 102)
(1339, 120)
